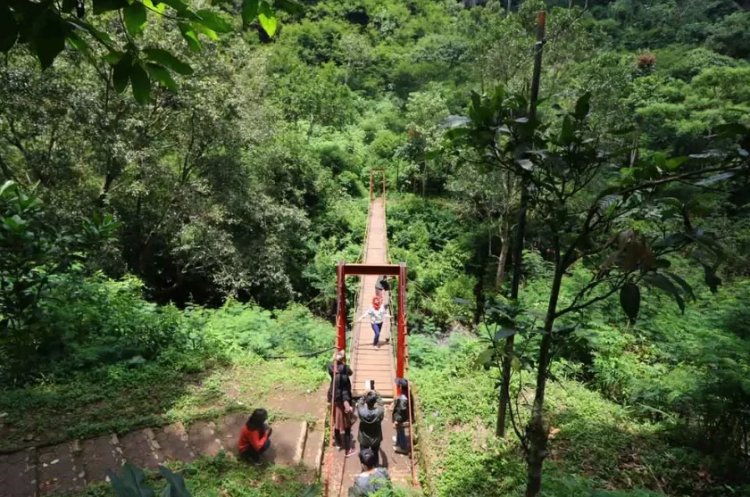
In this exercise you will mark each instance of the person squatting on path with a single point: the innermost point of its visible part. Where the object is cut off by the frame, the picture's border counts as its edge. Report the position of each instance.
(341, 393)
(372, 477)
(255, 436)
(401, 416)
(377, 315)
(371, 413)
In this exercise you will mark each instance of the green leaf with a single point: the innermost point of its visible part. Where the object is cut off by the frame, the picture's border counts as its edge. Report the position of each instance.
(176, 483)
(160, 7)
(505, 333)
(567, 133)
(684, 284)
(289, 6)
(583, 105)
(141, 84)
(101, 6)
(249, 11)
(711, 279)
(135, 18)
(485, 357)
(267, 19)
(210, 33)
(8, 28)
(130, 483)
(121, 73)
(630, 300)
(214, 21)
(176, 5)
(49, 38)
(81, 46)
(665, 284)
(190, 36)
(113, 57)
(515, 364)
(162, 75)
(167, 60)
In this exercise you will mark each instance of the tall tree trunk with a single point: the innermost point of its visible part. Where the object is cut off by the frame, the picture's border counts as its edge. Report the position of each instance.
(536, 430)
(504, 250)
(520, 229)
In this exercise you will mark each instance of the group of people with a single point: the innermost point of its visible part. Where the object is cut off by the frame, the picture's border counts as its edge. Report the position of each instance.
(371, 411)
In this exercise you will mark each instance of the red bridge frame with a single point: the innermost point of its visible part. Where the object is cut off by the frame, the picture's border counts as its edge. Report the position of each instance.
(342, 271)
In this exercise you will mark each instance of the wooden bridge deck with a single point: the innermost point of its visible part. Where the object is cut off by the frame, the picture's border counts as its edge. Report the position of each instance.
(371, 363)
(368, 361)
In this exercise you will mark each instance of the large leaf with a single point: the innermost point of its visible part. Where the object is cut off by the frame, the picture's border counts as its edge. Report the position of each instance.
(135, 18)
(177, 5)
(167, 60)
(121, 73)
(505, 333)
(485, 357)
(130, 483)
(49, 38)
(665, 284)
(567, 133)
(630, 300)
(583, 105)
(249, 11)
(8, 28)
(101, 6)
(267, 18)
(141, 84)
(162, 75)
(711, 279)
(684, 284)
(176, 484)
(214, 21)
(190, 36)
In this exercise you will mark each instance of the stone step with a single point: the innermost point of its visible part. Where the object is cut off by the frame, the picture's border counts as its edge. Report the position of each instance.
(141, 448)
(18, 474)
(172, 441)
(60, 469)
(313, 453)
(228, 430)
(203, 439)
(101, 454)
(285, 442)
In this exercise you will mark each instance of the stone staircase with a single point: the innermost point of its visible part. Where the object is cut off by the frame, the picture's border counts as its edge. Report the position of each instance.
(70, 466)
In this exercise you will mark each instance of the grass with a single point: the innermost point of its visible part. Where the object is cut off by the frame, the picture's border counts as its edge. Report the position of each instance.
(178, 386)
(598, 447)
(222, 476)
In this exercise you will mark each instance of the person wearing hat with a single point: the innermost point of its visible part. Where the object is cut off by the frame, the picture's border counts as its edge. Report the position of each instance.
(371, 413)
(372, 479)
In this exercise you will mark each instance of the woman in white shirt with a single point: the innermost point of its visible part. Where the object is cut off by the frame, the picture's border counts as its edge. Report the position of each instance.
(377, 315)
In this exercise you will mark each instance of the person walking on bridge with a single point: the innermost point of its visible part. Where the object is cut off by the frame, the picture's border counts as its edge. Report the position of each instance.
(340, 393)
(371, 413)
(377, 314)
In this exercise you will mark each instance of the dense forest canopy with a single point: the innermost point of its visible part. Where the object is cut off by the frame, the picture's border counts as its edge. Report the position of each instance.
(160, 160)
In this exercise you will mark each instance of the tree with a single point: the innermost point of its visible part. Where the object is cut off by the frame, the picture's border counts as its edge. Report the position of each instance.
(46, 27)
(620, 221)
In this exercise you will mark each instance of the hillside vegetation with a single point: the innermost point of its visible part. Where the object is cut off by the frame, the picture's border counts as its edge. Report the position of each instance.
(180, 180)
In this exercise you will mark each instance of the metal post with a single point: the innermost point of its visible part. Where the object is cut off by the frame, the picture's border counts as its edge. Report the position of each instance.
(401, 344)
(371, 184)
(341, 310)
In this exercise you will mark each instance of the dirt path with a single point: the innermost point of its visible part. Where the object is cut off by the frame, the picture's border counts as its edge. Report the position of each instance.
(298, 422)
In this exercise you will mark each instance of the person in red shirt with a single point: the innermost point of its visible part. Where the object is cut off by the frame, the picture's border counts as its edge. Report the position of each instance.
(255, 436)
